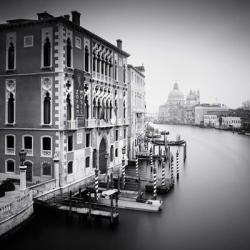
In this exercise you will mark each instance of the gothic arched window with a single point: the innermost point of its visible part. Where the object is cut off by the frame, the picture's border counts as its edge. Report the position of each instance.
(86, 102)
(68, 52)
(94, 108)
(110, 110)
(124, 110)
(98, 63)
(11, 108)
(46, 53)
(86, 59)
(69, 107)
(124, 73)
(11, 56)
(94, 61)
(111, 153)
(115, 70)
(46, 109)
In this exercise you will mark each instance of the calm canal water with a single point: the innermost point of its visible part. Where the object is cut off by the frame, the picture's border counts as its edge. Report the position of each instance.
(209, 207)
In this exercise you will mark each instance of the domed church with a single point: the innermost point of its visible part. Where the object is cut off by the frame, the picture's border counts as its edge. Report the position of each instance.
(172, 110)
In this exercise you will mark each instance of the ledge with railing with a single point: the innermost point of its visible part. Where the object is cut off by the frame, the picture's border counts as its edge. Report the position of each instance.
(72, 124)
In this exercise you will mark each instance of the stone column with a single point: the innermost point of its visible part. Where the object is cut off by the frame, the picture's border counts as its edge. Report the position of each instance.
(22, 177)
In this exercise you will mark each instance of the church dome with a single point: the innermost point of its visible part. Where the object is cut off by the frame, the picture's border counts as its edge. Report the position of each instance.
(175, 95)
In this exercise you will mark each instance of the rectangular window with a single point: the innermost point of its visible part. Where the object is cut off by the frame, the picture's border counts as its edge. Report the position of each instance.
(46, 168)
(87, 162)
(10, 144)
(87, 140)
(70, 143)
(116, 152)
(116, 134)
(10, 166)
(125, 133)
(28, 41)
(28, 145)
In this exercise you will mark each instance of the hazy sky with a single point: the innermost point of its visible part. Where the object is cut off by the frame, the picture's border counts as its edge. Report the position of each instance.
(201, 44)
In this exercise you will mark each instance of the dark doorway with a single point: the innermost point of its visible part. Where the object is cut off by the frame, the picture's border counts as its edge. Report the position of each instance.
(102, 157)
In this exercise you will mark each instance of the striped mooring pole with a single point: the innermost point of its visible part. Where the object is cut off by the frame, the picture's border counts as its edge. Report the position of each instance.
(155, 187)
(123, 173)
(137, 167)
(96, 184)
(151, 160)
(172, 168)
(177, 164)
(163, 174)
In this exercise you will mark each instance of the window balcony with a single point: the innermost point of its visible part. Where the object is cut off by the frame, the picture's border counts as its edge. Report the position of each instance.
(72, 124)
(10, 151)
(106, 79)
(29, 151)
(46, 153)
(90, 123)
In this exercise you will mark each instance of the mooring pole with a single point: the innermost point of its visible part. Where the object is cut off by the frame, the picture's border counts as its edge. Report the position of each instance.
(111, 206)
(172, 168)
(177, 164)
(137, 167)
(163, 174)
(96, 184)
(80, 193)
(155, 182)
(151, 160)
(111, 181)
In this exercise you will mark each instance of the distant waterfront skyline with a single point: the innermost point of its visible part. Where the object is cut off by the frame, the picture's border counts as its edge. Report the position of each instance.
(203, 45)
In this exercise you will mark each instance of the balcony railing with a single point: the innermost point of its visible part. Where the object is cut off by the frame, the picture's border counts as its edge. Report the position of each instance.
(10, 151)
(90, 123)
(46, 153)
(72, 124)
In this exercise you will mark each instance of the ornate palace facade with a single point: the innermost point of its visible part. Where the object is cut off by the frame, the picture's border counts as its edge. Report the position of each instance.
(63, 94)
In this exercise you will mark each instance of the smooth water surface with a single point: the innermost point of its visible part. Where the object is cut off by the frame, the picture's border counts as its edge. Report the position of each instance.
(209, 207)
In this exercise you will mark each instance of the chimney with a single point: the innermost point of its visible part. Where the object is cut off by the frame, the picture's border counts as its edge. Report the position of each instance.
(44, 15)
(76, 17)
(119, 44)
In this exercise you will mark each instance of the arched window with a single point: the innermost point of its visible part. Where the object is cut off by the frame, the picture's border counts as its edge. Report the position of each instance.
(124, 109)
(46, 109)
(102, 64)
(10, 144)
(86, 59)
(94, 108)
(94, 158)
(10, 166)
(110, 110)
(116, 70)
(46, 168)
(11, 56)
(116, 152)
(11, 109)
(68, 52)
(69, 107)
(28, 144)
(46, 146)
(116, 107)
(110, 67)
(70, 167)
(98, 63)
(47, 53)
(106, 67)
(124, 73)
(107, 110)
(98, 109)
(86, 102)
(87, 162)
(111, 153)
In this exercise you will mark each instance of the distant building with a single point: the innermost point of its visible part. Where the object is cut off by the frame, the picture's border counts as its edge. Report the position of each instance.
(136, 109)
(202, 110)
(246, 105)
(172, 111)
(193, 98)
(211, 121)
(231, 122)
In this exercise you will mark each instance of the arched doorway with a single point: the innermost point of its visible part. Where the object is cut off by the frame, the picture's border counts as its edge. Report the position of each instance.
(28, 171)
(102, 156)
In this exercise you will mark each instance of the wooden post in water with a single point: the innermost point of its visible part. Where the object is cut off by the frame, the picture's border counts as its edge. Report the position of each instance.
(177, 164)
(137, 167)
(96, 184)
(163, 174)
(172, 169)
(118, 183)
(108, 183)
(151, 160)
(155, 183)
(111, 181)
(80, 193)
(185, 151)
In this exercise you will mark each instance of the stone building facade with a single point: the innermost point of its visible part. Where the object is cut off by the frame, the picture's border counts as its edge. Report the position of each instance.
(136, 109)
(63, 93)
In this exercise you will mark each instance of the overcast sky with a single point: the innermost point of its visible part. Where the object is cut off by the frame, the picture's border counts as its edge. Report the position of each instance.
(201, 44)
